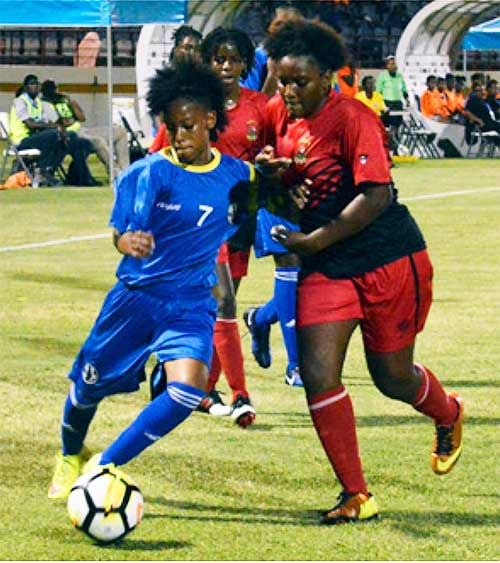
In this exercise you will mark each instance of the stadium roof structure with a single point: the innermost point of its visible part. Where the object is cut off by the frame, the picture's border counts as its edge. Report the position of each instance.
(434, 36)
(483, 37)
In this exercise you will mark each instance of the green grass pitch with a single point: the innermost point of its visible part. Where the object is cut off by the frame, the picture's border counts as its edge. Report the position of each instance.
(212, 490)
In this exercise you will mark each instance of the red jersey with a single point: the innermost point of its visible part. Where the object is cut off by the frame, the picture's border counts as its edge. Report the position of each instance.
(341, 149)
(243, 135)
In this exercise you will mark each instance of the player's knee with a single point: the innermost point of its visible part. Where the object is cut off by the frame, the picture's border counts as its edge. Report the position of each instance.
(81, 395)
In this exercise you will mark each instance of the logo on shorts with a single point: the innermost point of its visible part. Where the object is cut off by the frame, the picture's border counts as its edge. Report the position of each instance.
(363, 158)
(404, 326)
(89, 374)
(231, 213)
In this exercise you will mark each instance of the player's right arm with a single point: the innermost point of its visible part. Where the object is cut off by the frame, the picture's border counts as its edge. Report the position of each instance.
(138, 244)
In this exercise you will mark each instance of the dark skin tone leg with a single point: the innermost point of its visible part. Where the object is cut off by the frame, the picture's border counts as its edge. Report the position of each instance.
(322, 351)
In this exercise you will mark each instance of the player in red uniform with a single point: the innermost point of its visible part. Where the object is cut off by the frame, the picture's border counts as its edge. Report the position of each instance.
(230, 53)
(365, 260)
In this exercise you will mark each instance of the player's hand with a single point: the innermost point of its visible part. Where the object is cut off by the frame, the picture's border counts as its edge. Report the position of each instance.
(268, 164)
(292, 240)
(300, 193)
(137, 244)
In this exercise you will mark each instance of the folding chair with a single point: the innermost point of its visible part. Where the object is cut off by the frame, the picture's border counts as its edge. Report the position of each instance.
(418, 138)
(26, 159)
(124, 114)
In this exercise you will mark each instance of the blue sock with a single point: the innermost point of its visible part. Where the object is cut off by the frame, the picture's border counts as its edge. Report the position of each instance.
(285, 297)
(160, 417)
(267, 314)
(78, 414)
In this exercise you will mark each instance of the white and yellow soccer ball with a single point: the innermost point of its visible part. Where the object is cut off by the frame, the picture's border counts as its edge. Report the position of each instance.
(106, 504)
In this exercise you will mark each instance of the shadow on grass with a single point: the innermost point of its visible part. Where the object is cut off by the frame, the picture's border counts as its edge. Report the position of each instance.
(143, 545)
(64, 281)
(52, 345)
(213, 513)
(428, 524)
(303, 419)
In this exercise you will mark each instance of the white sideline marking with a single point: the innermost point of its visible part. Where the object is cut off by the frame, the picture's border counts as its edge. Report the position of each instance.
(449, 194)
(106, 235)
(53, 242)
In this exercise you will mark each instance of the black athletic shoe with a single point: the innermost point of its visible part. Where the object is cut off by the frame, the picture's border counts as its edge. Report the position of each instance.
(243, 412)
(260, 338)
(214, 405)
(157, 381)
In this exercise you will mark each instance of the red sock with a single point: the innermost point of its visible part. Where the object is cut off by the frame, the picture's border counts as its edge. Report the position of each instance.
(214, 374)
(432, 400)
(333, 418)
(227, 342)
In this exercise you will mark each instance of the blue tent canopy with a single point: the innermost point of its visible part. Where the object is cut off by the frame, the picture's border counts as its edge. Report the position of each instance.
(90, 13)
(483, 37)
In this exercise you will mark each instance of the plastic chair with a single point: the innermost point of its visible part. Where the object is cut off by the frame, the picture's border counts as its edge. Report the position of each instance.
(27, 159)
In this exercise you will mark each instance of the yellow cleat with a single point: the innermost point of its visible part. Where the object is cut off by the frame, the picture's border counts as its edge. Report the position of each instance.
(448, 442)
(93, 463)
(67, 471)
(351, 508)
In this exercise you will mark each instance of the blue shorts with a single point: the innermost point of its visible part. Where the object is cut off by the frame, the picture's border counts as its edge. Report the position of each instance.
(133, 324)
(264, 244)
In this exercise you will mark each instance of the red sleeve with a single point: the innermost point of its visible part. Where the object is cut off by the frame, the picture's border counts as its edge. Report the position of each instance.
(364, 147)
(160, 141)
(270, 119)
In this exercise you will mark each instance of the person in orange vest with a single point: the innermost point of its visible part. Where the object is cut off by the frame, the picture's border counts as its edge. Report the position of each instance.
(348, 80)
(430, 101)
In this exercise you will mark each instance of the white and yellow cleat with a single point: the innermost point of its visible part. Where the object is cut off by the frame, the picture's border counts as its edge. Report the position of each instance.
(448, 442)
(68, 469)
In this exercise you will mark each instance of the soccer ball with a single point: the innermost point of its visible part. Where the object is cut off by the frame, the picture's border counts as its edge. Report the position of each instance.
(106, 504)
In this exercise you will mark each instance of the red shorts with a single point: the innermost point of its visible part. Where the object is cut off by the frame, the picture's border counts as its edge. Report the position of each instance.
(392, 302)
(223, 256)
(238, 263)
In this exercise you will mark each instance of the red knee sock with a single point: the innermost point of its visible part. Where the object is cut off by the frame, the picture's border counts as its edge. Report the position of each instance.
(227, 342)
(215, 370)
(333, 418)
(432, 400)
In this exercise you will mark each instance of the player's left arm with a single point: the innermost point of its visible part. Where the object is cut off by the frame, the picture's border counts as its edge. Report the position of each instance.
(356, 216)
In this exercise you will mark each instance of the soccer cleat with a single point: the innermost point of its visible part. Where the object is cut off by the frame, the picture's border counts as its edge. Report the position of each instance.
(260, 338)
(93, 463)
(243, 412)
(157, 381)
(68, 469)
(448, 442)
(292, 377)
(351, 508)
(214, 405)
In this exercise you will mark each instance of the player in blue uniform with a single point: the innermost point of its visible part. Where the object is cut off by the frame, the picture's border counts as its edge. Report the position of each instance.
(172, 212)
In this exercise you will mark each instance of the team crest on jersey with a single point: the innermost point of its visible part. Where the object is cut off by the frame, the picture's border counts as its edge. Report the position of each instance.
(300, 156)
(90, 374)
(252, 130)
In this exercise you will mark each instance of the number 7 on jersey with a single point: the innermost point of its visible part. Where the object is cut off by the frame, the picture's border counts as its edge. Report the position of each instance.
(206, 212)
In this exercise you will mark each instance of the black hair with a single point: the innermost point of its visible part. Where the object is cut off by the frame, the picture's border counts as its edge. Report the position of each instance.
(30, 78)
(449, 76)
(430, 77)
(185, 31)
(365, 80)
(50, 93)
(191, 81)
(490, 83)
(222, 35)
(310, 39)
(440, 79)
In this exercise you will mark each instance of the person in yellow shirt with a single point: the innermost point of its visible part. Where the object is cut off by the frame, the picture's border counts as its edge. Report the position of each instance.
(371, 98)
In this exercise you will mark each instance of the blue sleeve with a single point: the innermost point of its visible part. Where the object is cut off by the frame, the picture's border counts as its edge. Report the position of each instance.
(152, 180)
(123, 205)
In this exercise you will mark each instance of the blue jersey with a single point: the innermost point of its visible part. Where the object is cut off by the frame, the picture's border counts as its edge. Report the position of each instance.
(190, 210)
